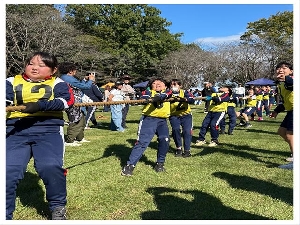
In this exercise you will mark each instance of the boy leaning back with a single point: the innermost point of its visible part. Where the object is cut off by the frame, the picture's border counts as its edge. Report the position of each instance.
(216, 112)
(153, 121)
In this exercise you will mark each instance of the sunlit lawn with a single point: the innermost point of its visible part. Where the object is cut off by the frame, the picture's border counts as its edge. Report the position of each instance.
(237, 180)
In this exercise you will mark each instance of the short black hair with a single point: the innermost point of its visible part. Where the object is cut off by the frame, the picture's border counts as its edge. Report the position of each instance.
(47, 58)
(284, 63)
(160, 79)
(66, 67)
(176, 81)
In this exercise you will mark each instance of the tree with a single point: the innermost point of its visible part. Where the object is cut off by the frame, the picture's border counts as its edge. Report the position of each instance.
(134, 35)
(46, 32)
(189, 64)
(274, 36)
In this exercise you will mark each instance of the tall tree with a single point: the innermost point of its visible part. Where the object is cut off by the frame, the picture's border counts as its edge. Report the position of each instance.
(134, 34)
(37, 28)
(273, 35)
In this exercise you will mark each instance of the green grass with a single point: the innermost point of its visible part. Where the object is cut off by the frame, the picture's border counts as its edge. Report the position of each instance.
(237, 180)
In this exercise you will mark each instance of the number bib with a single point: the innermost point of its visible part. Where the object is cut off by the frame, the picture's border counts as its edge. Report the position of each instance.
(32, 92)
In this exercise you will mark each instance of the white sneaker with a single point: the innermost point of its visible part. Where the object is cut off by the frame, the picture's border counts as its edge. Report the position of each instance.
(212, 144)
(82, 141)
(290, 159)
(200, 143)
(288, 166)
(74, 144)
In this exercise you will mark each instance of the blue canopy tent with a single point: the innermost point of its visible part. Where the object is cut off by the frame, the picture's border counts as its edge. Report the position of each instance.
(141, 85)
(261, 82)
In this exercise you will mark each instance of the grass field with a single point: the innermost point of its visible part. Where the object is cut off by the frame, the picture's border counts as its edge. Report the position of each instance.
(236, 180)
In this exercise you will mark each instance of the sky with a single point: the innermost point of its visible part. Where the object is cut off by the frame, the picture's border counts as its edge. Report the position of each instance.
(211, 23)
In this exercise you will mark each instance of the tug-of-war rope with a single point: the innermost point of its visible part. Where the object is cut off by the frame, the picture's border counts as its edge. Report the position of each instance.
(141, 101)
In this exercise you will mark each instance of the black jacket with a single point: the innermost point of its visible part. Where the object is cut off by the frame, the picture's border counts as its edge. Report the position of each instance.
(94, 93)
(207, 91)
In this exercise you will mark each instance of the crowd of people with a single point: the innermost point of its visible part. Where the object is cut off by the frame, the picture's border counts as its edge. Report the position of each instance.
(42, 116)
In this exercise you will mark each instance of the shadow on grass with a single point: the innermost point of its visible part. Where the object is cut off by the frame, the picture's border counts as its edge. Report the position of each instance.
(136, 122)
(32, 195)
(260, 186)
(243, 151)
(121, 152)
(239, 128)
(261, 131)
(106, 125)
(202, 207)
(103, 126)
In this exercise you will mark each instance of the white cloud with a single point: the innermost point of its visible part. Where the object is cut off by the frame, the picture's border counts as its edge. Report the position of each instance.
(217, 40)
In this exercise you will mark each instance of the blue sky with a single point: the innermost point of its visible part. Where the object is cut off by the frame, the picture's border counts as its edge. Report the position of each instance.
(210, 23)
(215, 23)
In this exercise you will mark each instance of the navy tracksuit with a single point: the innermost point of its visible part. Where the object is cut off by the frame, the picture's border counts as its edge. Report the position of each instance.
(37, 135)
(96, 95)
(232, 120)
(186, 123)
(181, 119)
(48, 162)
(149, 126)
(212, 120)
(153, 122)
(214, 116)
(90, 116)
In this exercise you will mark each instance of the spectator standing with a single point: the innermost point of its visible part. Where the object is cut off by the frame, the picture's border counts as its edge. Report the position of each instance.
(181, 119)
(284, 72)
(95, 95)
(116, 94)
(216, 111)
(138, 93)
(129, 92)
(153, 121)
(107, 90)
(239, 93)
(76, 116)
(197, 93)
(36, 131)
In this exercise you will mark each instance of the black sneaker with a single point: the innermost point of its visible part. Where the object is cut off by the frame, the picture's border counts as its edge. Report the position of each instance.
(178, 153)
(127, 170)
(59, 213)
(159, 167)
(186, 154)
(242, 123)
(247, 125)
(230, 133)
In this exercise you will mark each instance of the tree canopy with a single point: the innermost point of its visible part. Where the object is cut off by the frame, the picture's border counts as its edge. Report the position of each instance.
(134, 35)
